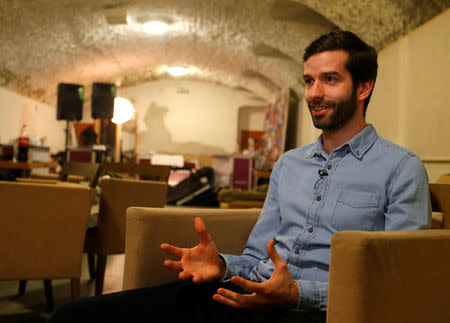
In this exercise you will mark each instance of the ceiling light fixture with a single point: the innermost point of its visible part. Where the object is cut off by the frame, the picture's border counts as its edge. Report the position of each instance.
(156, 27)
(150, 22)
(177, 70)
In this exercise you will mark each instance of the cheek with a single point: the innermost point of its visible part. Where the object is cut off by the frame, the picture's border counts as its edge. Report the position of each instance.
(339, 94)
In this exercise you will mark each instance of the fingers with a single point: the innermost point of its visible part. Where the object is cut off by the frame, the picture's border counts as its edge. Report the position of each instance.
(177, 266)
(172, 250)
(225, 300)
(221, 299)
(200, 227)
(235, 300)
(199, 279)
(248, 285)
(173, 265)
(184, 275)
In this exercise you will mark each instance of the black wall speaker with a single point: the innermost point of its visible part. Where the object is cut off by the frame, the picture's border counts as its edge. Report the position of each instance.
(102, 105)
(70, 102)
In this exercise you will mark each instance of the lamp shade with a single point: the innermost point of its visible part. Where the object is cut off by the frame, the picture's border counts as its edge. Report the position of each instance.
(123, 110)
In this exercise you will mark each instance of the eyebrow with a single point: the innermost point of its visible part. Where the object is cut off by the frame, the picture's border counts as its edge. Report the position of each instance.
(331, 73)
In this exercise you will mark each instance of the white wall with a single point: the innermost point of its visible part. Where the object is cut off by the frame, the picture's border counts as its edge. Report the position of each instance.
(411, 99)
(187, 116)
(410, 104)
(251, 117)
(40, 118)
(173, 116)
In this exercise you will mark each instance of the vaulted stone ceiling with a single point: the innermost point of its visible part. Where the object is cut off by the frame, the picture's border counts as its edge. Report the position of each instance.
(251, 45)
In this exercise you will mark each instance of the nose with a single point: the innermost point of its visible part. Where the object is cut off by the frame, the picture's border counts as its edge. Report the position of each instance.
(314, 91)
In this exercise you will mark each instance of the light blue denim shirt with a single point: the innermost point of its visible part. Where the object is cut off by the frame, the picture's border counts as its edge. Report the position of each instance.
(371, 184)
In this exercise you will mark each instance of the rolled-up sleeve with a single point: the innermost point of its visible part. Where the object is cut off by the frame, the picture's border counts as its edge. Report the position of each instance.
(313, 295)
(265, 229)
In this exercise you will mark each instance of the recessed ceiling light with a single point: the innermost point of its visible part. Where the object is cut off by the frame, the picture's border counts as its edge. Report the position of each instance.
(156, 27)
(177, 70)
(148, 21)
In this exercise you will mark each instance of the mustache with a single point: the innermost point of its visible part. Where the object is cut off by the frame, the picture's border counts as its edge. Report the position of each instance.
(321, 102)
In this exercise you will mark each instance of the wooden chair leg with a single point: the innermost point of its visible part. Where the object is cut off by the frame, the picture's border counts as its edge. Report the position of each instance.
(49, 295)
(75, 288)
(22, 287)
(91, 265)
(100, 276)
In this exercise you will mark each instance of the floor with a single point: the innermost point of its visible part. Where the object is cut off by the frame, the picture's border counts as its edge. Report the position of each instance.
(31, 307)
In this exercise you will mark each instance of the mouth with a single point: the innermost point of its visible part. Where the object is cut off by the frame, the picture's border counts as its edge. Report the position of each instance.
(319, 110)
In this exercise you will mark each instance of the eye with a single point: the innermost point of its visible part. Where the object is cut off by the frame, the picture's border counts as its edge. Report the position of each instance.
(309, 81)
(331, 79)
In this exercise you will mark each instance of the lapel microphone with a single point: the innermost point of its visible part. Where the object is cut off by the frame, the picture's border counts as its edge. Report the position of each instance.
(322, 173)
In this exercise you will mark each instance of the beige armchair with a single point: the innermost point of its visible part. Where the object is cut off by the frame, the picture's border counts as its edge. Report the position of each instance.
(42, 230)
(109, 235)
(374, 276)
(147, 171)
(74, 172)
(147, 228)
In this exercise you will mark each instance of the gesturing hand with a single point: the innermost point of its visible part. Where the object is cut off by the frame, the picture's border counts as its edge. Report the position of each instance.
(279, 291)
(201, 263)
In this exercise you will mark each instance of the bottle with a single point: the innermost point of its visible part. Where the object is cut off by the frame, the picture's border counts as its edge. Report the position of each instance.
(24, 144)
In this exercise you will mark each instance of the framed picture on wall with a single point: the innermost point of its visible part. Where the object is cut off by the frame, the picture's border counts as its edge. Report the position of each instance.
(275, 125)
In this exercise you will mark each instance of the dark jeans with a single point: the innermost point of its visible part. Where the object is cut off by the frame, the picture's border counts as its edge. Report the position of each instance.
(176, 302)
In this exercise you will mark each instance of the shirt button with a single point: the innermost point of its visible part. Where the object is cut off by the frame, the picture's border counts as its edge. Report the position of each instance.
(318, 198)
(310, 229)
(296, 251)
(329, 167)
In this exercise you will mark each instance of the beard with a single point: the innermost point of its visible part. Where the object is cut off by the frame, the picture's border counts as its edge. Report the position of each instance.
(342, 112)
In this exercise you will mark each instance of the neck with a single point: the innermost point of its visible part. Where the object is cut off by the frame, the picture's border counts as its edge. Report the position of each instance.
(334, 138)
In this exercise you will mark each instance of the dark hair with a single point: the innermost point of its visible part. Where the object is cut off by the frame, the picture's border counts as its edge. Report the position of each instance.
(362, 60)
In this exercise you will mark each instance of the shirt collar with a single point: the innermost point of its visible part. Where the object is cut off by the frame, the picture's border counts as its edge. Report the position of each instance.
(315, 149)
(358, 145)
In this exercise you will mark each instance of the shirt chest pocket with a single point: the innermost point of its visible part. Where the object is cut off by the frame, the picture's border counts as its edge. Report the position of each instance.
(355, 211)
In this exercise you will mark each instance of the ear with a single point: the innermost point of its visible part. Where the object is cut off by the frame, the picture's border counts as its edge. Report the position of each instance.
(364, 89)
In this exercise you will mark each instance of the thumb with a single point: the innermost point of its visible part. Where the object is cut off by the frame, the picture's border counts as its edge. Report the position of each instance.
(273, 254)
(200, 227)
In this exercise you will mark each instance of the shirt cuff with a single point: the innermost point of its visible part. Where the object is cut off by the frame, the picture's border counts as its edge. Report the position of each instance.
(309, 294)
(228, 274)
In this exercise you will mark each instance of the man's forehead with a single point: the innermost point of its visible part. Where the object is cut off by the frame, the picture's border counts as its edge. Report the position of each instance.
(326, 62)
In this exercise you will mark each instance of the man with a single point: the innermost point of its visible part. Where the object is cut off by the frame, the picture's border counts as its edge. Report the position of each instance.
(350, 179)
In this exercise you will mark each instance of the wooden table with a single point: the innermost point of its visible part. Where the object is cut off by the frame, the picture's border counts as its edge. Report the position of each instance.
(260, 174)
(25, 168)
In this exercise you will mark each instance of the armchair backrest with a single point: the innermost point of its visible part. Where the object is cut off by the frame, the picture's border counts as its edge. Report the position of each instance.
(399, 276)
(89, 171)
(440, 202)
(42, 229)
(389, 277)
(147, 228)
(116, 196)
(153, 172)
(444, 179)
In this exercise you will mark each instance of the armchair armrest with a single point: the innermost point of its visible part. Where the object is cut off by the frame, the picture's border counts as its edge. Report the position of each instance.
(389, 277)
(147, 228)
